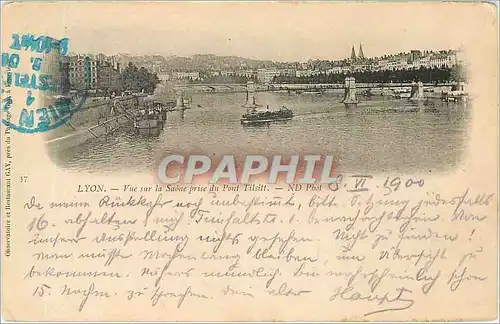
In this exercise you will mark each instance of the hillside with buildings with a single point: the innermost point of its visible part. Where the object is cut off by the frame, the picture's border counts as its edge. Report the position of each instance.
(219, 69)
(209, 68)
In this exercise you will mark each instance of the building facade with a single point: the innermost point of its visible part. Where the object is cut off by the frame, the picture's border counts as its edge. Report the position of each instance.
(99, 71)
(81, 72)
(185, 75)
(267, 75)
(107, 75)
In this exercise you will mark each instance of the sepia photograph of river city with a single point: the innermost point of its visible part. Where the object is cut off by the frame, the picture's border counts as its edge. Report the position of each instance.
(385, 134)
(244, 161)
(375, 98)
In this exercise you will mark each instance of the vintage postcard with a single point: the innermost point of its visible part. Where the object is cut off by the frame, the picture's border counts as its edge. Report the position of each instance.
(249, 161)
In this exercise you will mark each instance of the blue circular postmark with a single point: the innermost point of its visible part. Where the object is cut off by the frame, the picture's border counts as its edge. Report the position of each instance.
(29, 119)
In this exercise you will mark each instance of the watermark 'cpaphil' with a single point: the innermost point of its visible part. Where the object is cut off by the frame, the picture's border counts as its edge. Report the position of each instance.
(305, 169)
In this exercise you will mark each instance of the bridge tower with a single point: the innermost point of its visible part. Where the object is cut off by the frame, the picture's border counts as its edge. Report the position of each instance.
(417, 91)
(350, 100)
(179, 104)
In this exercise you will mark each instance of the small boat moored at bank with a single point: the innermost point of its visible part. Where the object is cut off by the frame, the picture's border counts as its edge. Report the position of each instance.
(150, 116)
(457, 94)
(402, 93)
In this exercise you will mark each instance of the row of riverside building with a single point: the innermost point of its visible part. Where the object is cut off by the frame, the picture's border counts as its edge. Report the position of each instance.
(102, 72)
(412, 60)
(75, 73)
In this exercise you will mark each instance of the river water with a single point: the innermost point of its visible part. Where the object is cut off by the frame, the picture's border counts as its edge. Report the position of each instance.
(431, 140)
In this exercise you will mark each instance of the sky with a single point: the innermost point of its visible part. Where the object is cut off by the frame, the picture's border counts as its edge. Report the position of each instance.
(268, 31)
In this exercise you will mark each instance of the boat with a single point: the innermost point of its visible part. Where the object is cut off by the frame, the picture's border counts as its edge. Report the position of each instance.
(455, 96)
(96, 118)
(367, 93)
(397, 109)
(150, 116)
(148, 121)
(401, 93)
(256, 117)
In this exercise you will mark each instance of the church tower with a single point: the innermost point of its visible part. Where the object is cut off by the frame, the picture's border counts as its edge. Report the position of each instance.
(353, 54)
(361, 55)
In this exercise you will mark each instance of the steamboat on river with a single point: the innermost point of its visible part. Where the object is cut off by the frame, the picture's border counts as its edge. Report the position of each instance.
(256, 117)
